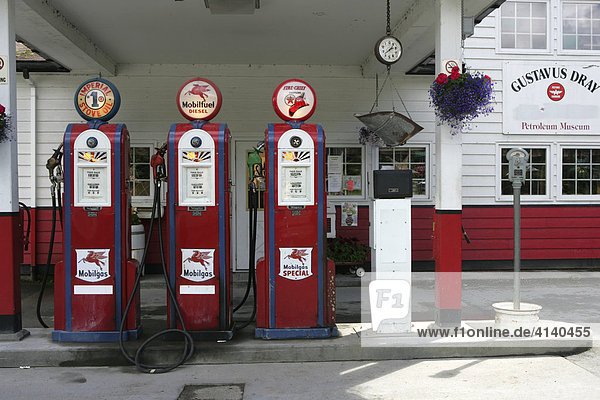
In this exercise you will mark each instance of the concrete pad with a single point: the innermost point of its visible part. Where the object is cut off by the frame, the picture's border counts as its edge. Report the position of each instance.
(351, 345)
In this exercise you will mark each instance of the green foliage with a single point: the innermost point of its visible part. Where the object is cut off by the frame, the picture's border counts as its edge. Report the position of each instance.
(347, 250)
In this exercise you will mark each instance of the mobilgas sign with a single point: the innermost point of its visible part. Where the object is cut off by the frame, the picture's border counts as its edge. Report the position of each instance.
(541, 98)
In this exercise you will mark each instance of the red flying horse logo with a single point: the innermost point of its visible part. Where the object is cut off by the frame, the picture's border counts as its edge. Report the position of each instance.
(201, 257)
(95, 257)
(199, 90)
(299, 255)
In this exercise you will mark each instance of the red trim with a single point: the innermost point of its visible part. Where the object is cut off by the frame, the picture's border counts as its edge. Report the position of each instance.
(447, 252)
(11, 248)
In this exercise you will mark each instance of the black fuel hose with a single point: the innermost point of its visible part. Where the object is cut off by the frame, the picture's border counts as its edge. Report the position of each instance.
(188, 350)
(38, 309)
(252, 223)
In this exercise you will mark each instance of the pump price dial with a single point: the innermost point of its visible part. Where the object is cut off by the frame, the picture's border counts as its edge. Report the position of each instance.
(97, 99)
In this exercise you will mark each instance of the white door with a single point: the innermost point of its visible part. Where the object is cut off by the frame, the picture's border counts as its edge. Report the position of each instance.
(240, 239)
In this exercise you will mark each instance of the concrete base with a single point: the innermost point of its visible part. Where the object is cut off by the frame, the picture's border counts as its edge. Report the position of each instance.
(15, 336)
(350, 345)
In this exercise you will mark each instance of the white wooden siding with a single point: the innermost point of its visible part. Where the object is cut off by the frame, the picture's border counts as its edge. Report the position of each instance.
(148, 106)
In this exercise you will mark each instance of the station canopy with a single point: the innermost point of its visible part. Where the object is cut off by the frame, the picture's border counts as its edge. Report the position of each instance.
(96, 36)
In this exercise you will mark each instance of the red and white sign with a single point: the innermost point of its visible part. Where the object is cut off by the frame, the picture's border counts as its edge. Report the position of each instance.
(3, 70)
(199, 100)
(198, 265)
(92, 264)
(447, 66)
(295, 263)
(550, 98)
(294, 100)
(556, 91)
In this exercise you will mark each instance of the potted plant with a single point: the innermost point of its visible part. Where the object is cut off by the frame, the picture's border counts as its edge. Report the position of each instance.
(4, 124)
(348, 252)
(459, 98)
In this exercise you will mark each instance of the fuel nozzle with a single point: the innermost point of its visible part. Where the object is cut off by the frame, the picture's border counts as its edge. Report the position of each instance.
(158, 163)
(256, 163)
(53, 164)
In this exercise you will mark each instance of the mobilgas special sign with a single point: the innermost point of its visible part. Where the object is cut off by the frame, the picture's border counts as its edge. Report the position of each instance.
(551, 98)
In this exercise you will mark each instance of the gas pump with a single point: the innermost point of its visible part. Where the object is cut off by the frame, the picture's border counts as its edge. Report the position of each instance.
(96, 276)
(296, 281)
(198, 209)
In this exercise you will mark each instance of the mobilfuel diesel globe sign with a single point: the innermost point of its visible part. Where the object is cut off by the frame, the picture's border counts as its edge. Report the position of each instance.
(551, 98)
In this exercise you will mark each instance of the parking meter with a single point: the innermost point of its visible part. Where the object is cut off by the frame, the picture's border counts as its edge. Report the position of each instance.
(517, 164)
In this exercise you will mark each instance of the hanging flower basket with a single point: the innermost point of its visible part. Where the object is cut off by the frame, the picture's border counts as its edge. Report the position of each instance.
(4, 124)
(460, 98)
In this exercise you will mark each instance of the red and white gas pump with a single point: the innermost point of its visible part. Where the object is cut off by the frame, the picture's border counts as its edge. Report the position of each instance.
(96, 276)
(198, 208)
(296, 282)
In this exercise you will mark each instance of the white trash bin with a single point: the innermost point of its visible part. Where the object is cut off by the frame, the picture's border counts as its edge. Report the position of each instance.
(138, 238)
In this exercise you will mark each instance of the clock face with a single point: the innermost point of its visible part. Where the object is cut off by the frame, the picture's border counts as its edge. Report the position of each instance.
(388, 50)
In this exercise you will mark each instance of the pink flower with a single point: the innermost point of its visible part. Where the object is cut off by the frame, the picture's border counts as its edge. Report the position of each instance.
(441, 79)
(487, 77)
(455, 69)
(2, 109)
(454, 74)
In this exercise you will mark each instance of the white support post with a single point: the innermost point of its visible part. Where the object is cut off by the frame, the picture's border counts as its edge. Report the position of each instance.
(9, 197)
(448, 167)
(11, 238)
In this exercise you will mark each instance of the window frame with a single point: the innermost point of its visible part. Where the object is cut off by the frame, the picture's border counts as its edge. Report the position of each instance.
(427, 147)
(363, 154)
(142, 201)
(549, 32)
(560, 48)
(559, 175)
(524, 197)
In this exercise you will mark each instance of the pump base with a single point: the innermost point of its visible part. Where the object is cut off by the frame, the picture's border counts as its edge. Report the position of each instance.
(296, 333)
(206, 336)
(91, 337)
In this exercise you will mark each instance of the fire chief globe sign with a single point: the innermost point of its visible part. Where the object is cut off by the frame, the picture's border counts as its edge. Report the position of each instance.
(295, 263)
(294, 100)
(97, 99)
(199, 100)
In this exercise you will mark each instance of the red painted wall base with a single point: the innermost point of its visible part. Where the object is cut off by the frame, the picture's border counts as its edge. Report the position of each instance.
(447, 252)
(11, 248)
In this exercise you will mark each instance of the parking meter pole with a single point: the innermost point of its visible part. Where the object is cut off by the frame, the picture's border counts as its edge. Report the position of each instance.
(517, 243)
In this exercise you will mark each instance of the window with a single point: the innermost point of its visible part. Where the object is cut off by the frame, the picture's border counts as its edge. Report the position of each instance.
(524, 25)
(408, 157)
(581, 26)
(535, 183)
(140, 172)
(345, 171)
(580, 171)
